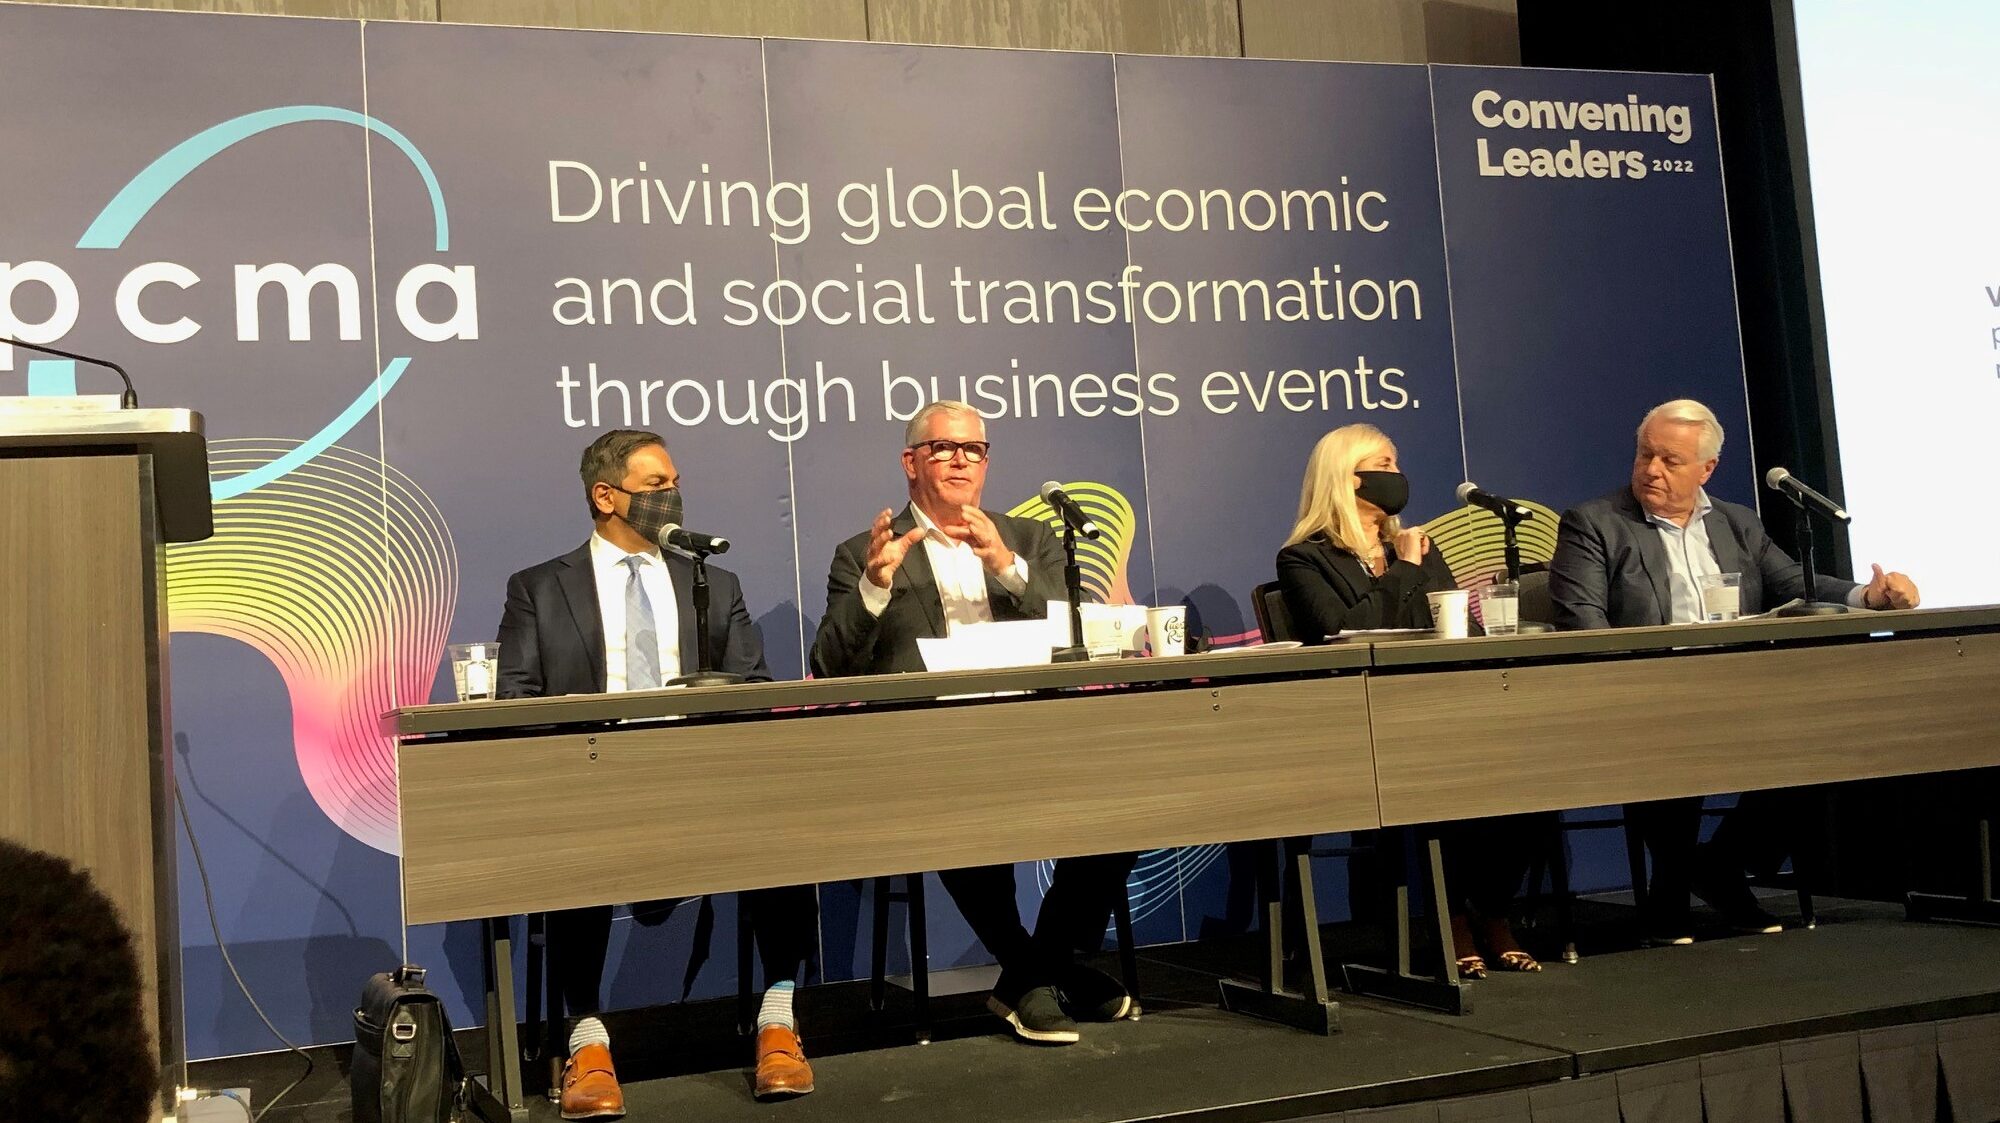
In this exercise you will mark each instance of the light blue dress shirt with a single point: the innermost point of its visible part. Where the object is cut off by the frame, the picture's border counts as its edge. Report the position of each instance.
(1689, 557)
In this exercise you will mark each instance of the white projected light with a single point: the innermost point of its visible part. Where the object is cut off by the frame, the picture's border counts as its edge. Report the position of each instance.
(1899, 108)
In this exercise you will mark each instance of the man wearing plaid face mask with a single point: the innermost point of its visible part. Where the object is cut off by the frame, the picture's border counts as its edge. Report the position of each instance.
(617, 614)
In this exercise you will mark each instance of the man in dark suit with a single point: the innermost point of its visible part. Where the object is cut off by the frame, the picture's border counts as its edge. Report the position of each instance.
(1636, 558)
(944, 560)
(616, 614)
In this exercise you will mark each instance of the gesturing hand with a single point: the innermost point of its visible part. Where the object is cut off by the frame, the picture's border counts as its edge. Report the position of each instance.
(984, 538)
(886, 550)
(1889, 590)
(1412, 545)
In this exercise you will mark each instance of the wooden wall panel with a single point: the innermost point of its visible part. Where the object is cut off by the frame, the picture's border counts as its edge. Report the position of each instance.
(421, 10)
(1464, 31)
(792, 19)
(1481, 32)
(1085, 25)
(1179, 27)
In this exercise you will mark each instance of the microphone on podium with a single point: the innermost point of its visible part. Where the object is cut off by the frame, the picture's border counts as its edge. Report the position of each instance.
(128, 400)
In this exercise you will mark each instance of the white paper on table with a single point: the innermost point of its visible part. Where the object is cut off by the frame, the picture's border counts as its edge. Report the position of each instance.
(1107, 628)
(988, 646)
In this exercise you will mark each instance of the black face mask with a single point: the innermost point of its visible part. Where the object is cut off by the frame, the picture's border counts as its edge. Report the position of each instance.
(1387, 490)
(651, 512)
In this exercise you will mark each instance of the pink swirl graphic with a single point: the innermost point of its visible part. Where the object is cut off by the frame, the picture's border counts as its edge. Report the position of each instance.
(342, 573)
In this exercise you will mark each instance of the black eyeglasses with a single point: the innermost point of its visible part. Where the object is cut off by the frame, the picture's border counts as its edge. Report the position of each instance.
(941, 450)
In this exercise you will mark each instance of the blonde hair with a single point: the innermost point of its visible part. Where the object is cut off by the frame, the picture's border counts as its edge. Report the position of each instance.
(1687, 411)
(1326, 497)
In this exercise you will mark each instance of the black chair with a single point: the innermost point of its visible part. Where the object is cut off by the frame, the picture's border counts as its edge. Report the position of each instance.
(912, 897)
(1274, 619)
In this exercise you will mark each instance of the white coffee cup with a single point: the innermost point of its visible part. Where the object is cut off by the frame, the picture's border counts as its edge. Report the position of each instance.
(1166, 630)
(1449, 609)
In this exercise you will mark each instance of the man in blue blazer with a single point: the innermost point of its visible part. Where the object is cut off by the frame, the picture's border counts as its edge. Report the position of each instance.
(616, 614)
(1636, 558)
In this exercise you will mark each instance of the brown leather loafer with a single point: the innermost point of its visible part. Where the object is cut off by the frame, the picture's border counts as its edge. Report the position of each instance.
(590, 1086)
(781, 1064)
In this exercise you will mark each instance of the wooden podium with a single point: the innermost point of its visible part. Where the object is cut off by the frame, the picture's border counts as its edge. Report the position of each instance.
(89, 496)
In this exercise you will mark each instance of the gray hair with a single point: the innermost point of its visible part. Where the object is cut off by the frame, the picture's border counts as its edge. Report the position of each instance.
(921, 423)
(1687, 411)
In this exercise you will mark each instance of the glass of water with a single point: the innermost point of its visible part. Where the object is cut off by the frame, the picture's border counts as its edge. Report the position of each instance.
(475, 670)
(1721, 596)
(1500, 608)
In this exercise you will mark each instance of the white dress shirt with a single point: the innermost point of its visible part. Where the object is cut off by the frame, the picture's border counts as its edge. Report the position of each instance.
(960, 575)
(607, 565)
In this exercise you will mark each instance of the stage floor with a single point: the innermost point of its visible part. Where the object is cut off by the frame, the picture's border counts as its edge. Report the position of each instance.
(1861, 969)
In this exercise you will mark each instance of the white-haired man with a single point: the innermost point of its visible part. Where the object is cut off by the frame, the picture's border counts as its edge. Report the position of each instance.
(1636, 558)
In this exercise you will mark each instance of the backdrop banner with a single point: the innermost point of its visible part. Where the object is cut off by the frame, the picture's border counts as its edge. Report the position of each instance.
(408, 271)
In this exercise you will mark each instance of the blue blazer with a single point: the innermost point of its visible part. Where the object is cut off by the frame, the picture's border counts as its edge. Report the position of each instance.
(552, 635)
(1611, 569)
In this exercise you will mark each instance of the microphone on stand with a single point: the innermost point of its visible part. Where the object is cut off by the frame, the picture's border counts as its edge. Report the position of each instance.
(700, 547)
(1072, 512)
(1509, 512)
(1473, 495)
(1786, 484)
(128, 400)
(1807, 501)
(674, 536)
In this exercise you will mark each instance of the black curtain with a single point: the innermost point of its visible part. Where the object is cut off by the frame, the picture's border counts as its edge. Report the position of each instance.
(1748, 46)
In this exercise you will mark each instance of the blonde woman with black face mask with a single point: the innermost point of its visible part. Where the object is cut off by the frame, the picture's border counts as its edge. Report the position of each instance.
(1351, 564)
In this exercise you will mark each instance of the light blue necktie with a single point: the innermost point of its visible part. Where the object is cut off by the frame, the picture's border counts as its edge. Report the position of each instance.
(642, 638)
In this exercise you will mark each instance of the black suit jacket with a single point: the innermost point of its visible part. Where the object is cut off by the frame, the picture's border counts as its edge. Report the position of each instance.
(1611, 569)
(1329, 590)
(552, 635)
(851, 642)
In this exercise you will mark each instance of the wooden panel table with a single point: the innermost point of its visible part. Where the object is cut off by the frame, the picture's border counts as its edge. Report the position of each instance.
(907, 774)
(895, 774)
(1497, 726)
(1197, 749)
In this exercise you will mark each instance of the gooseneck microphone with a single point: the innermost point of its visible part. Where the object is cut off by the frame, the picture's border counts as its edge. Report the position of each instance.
(1473, 495)
(1072, 513)
(673, 535)
(128, 400)
(1783, 482)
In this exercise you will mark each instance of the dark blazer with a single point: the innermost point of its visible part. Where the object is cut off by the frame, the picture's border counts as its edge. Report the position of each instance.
(1329, 590)
(1611, 569)
(851, 642)
(552, 635)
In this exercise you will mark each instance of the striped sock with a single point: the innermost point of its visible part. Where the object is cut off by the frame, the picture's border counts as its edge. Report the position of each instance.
(777, 1009)
(588, 1031)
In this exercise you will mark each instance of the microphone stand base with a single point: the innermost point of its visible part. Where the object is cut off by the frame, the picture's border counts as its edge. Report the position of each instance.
(705, 678)
(1069, 655)
(1812, 608)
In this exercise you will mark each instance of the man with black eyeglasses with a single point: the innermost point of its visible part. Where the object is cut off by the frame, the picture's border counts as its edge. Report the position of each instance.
(942, 560)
